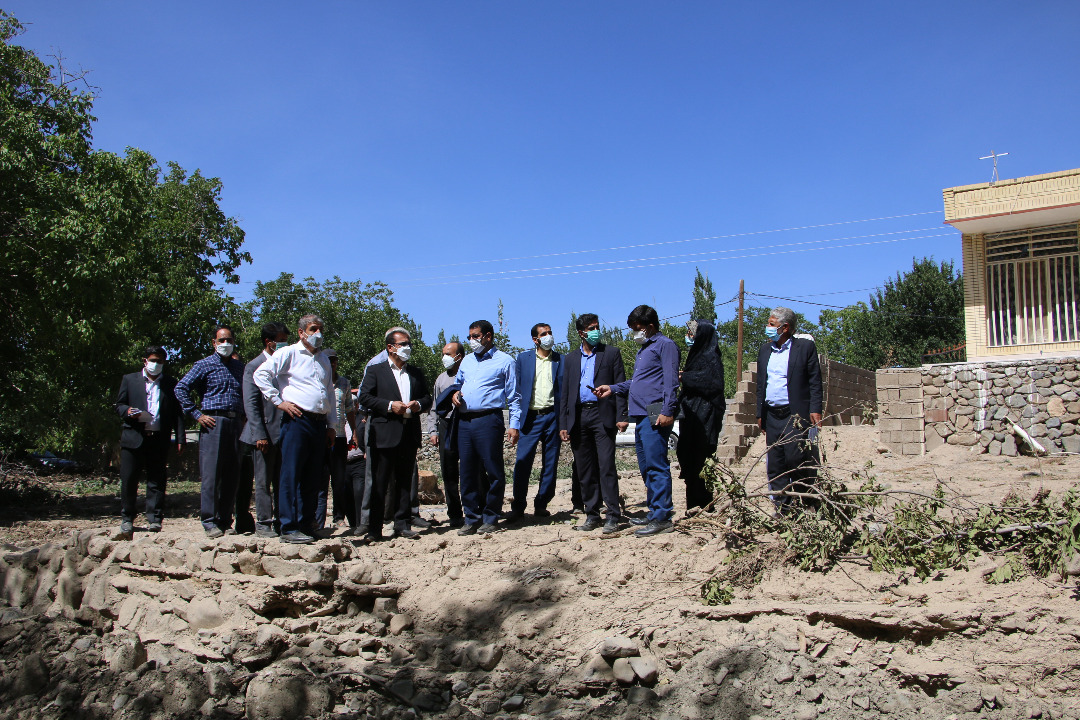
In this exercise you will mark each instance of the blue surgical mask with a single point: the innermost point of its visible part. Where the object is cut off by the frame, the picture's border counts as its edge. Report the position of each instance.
(281, 345)
(689, 341)
(772, 332)
(593, 337)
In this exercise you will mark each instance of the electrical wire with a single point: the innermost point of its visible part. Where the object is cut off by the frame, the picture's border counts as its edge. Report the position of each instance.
(843, 307)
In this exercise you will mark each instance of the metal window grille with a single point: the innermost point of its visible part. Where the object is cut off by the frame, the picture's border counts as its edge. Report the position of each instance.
(1033, 285)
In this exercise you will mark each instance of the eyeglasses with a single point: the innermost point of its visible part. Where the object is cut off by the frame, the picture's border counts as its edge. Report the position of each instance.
(403, 344)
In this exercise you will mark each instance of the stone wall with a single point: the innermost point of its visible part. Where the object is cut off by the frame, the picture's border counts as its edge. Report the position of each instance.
(976, 405)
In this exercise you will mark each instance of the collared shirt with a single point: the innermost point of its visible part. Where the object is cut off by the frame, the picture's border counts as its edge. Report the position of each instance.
(217, 380)
(153, 402)
(343, 400)
(404, 385)
(297, 375)
(543, 389)
(776, 393)
(656, 377)
(431, 420)
(588, 374)
(489, 382)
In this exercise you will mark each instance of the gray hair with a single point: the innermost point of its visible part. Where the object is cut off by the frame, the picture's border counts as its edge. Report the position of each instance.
(785, 316)
(306, 320)
(397, 329)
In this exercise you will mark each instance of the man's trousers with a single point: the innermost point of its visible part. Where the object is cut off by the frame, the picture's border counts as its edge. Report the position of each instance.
(151, 457)
(303, 447)
(651, 444)
(594, 453)
(219, 469)
(536, 429)
(480, 445)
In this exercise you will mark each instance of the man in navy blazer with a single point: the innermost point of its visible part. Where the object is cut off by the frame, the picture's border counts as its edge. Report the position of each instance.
(589, 423)
(394, 394)
(151, 414)
(539, 374)
(789, 399)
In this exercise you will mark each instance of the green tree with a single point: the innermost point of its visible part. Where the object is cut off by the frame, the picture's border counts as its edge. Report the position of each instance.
(704, 298)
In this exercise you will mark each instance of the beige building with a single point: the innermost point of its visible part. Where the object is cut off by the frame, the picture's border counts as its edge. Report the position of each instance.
(1021, 265)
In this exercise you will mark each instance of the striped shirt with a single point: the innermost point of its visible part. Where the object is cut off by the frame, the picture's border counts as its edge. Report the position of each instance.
(218, 383)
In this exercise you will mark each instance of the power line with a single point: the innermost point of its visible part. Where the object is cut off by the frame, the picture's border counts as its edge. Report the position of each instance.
(844, 307)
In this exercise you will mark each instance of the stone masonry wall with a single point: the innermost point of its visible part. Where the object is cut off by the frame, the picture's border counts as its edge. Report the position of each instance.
(976, 405)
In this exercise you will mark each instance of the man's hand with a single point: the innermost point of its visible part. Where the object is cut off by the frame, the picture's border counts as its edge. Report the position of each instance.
(132, 412)
(513, 435)
(564, 435)
(602, 391)
(434, 439)
(207, 421)
(414, 405)
(331, 436)
(761, 423)
(665, 421)
(398, 408)
(458, 400)
(621, 426)
(263, 445)
(291, 409)
(815, 419)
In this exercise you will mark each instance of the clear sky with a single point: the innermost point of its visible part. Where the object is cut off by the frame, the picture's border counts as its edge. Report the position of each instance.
(581, 156)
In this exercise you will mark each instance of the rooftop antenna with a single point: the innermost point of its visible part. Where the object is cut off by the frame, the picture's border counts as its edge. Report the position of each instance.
(995, 156)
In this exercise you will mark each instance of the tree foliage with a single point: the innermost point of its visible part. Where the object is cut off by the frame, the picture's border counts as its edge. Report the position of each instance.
(704, 298)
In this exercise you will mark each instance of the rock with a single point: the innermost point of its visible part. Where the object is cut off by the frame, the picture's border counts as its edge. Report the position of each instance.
(283, 693)
(204, 614)
(490, 706)
(1072, 565)
(964, 701)
(597, 670)
(187, 693)
(218, 683)
(645, 669)
(487, 657)
(69, 589)
(400, 622)
(100, 547)
(384, 608)
(128, 654)
(250, 563)
(460, 688)
(623, 672)
(784, 674)
(861, 701)
(312, 553)
(312, 573)
(1008, 446)
(805, 711)
(514, 702)
(455, 572)
(32, 676)
(208, 707)
(638, 695)
(403, 688)
(618, 647)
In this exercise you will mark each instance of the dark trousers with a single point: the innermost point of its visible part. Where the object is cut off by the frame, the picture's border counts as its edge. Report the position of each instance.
(355, 480)
(791, 460)
(219, 469)
(693, 449)
(245, 486)
(449, 464)
(151, 457)
(392, 468)
(264, 468)
(303, 446)
(536, 429)
(576, 498)
(339, 484)
(594, 453)
(480, 445)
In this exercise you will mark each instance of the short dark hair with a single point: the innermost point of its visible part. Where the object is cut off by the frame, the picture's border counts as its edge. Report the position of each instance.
(643, 315)
(460, 347)
(271, 330)
(584, 321)
(536, 328)
(392, 337)
(155, 350)
(483, 326)
(219, 328)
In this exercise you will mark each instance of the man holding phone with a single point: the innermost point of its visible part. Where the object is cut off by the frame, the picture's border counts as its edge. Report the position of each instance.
(652, 392)
(589, 423)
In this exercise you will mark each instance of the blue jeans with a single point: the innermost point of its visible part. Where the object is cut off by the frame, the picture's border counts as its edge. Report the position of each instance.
(303, 445)
(651, 444)
(480, 446)
(535, 430)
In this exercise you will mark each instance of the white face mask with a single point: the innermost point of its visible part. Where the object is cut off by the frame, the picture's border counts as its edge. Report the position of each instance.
(224, 349)
(475, 345)
(315, 339)
(404, 353)
(154, 368)
(547, 342)
(639, 337)
(448, 361)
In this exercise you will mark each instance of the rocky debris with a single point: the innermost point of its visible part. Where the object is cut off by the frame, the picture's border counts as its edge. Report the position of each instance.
(286, 692)
(618, 647)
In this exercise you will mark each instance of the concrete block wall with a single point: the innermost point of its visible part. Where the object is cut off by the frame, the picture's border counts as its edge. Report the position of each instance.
(900, 410)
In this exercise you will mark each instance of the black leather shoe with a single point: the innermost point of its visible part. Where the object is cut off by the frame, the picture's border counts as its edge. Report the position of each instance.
(418, 522)
(297, 538)
(541, 513)
(154, 527)
(588, 526)
(408, 534)
(265, 532)
(487, 529)
(514, 515)
(639, 521)
(656, 527)
(214, 533)
(456, 523)
(468, 529)
(127, 527)
(611, 526)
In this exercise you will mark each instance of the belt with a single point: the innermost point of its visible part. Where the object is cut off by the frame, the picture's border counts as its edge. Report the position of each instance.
(589, 404)
(223, 413)
(479, 413)
(545, 411)
(779, 411)
(306, 413)
(155, 433)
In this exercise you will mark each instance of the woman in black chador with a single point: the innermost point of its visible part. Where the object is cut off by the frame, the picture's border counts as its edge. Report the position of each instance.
(701, 405)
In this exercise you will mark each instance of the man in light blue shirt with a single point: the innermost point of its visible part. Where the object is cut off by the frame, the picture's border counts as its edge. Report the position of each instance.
(488, 381)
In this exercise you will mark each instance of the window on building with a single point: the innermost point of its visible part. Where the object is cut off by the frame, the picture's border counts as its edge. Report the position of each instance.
(1033, 285)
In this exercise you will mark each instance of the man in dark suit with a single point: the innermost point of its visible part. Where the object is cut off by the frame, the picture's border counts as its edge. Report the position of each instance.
(589, 424)
(262, 441)
(539, 377)
(151, 414)
(789, 397)
(395, 394)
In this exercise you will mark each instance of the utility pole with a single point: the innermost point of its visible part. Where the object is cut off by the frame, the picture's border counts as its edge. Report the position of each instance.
(739, 350)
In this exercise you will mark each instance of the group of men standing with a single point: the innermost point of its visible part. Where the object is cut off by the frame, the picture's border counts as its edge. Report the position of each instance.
(289, 408)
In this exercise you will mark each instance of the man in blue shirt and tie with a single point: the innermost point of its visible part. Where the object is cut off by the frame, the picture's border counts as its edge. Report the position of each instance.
(488, 381)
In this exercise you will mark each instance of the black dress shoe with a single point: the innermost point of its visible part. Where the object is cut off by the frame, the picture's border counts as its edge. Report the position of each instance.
(541, 513)
(265, 532)
(456, 523)
(514, 515)
(468, 529)
(297, 538)
(487, 529)
(214, 533)
(611, 526)
(588, 526)
(639, 521)
(418, 522)
(408, 534)
(656, 527)
(154, 527)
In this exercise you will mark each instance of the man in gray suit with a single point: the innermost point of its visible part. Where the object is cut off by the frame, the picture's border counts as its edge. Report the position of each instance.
(262, 436)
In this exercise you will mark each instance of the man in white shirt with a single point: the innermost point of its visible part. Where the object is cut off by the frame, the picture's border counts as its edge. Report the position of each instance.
(298, 380)
(395, 394)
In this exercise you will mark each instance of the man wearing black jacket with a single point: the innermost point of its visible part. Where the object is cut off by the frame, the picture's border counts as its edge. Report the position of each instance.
(789, 400)
(589, 423)
(151, 414)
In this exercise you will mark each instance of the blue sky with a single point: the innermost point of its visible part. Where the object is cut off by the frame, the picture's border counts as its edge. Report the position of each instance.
(572, 156)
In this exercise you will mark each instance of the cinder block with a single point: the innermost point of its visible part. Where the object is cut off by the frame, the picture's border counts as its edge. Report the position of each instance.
(914, 424)
(893, 394)
(887, 379)
(912, 393)
(936, 415)
(910, 379)
(912, 449)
